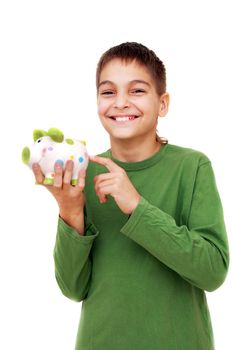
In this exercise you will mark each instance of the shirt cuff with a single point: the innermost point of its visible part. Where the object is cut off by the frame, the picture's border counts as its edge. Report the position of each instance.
(135, 217)
(90, 234)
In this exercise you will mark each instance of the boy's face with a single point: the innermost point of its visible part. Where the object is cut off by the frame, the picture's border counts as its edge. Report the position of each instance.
(128, 103)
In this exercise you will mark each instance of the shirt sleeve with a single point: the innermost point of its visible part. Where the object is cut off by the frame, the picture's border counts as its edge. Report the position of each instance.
(198, 250)
(72, 259)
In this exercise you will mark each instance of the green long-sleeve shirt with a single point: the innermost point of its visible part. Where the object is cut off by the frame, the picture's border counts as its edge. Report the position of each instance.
(142, 277)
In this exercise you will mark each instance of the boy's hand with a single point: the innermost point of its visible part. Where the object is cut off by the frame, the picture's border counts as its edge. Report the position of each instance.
(69, 198)
(116, 184)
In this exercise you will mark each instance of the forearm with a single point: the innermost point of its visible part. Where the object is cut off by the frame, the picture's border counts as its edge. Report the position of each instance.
(197, 255)
(72, 261)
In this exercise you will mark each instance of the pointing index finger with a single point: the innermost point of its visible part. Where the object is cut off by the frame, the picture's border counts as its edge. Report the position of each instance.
(107, 162)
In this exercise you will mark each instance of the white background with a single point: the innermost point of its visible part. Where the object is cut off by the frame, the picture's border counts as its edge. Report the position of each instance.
(49, 51)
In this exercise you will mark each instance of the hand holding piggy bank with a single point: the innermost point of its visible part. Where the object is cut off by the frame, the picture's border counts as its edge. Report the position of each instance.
(51, 147)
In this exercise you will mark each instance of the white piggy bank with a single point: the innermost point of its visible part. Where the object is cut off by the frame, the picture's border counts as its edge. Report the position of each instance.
(51, 147)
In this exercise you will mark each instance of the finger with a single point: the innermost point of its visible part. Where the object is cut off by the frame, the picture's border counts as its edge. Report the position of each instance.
(103, 177)
(103, 189)
(102, 198)
(58, 175)
(68, 173)
(107, 162)
(39, 177)
(100, 183)
(81, 179)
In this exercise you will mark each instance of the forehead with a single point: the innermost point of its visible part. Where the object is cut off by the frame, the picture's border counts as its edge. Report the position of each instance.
(118, 70)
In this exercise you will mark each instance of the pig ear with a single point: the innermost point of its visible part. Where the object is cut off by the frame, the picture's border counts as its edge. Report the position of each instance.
(37, 133)
(25, 155)
(55, 134)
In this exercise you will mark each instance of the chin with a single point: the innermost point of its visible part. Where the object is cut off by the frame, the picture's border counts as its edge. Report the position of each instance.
(123, 137)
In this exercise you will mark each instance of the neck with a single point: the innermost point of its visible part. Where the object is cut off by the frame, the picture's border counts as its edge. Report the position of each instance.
(132, 150)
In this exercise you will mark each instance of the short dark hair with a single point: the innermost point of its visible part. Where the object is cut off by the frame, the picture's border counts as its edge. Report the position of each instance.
(130, 51)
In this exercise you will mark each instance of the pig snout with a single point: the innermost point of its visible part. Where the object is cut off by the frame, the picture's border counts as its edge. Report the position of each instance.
(45, 149)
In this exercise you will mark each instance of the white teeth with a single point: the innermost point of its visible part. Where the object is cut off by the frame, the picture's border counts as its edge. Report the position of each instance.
(124, 119)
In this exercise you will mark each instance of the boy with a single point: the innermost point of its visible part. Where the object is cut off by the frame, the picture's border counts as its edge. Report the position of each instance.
(152, 237)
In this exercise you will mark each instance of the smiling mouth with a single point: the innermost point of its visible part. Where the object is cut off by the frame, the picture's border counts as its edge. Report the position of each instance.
(124, 118)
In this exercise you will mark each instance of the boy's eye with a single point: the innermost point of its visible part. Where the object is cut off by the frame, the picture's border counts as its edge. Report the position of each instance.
(111, 92)
(108, 92)
(138, 91)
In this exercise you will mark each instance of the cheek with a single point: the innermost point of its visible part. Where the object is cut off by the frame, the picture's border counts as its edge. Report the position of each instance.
(103, 106)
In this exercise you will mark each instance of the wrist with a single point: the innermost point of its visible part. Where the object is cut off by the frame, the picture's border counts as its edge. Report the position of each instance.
(68, 212)
(75, 220)
(135, 204)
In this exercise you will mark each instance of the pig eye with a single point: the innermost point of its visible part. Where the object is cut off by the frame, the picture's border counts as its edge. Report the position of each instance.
(39, 140)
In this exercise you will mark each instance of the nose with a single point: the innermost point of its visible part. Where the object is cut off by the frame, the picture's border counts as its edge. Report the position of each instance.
(121, 101)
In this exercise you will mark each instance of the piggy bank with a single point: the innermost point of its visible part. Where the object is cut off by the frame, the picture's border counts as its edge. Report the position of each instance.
(51, 147)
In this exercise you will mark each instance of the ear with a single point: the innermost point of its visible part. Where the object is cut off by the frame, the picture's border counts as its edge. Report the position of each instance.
(56, 135)
(37, 133)
(25, 155)
(164, 104)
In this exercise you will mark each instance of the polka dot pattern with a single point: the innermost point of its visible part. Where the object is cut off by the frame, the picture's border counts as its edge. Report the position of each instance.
(80, 159)
(69, 141)
(60, 161)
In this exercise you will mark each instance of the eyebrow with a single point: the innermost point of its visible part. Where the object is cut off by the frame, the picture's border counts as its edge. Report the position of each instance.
(130, 82)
